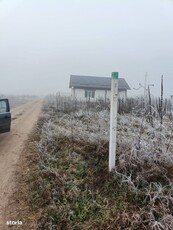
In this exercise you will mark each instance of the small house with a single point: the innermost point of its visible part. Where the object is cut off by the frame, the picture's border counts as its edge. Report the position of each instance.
(95, 88)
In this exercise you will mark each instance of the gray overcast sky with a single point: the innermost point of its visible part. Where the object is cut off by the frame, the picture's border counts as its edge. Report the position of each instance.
(43, 42)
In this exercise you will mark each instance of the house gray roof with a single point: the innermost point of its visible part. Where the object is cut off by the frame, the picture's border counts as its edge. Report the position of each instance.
(78, 81)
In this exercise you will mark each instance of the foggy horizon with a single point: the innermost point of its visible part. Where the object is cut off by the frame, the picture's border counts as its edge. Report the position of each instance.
(42, 43)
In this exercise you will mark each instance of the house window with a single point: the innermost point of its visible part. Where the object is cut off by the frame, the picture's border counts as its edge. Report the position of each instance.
(89, 94)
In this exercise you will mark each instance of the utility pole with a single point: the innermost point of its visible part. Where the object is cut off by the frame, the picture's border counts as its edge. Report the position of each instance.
(113, 121)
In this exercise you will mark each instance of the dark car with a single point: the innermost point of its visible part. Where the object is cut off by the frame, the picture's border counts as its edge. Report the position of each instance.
(5, 116)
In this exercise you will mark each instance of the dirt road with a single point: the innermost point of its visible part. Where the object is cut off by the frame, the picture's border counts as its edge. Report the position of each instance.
(11, 144)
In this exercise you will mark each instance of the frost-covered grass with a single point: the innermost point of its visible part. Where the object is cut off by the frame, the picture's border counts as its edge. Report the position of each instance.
(69, 183)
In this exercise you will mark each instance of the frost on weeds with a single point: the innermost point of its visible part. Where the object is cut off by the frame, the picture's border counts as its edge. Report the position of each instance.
(73, 158)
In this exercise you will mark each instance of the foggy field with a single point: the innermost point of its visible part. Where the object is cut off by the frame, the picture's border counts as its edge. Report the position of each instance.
(16, 100)
(67, 183)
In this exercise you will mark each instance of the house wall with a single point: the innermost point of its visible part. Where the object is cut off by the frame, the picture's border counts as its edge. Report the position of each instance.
(79, 94)
(102, 94)
(123, 94)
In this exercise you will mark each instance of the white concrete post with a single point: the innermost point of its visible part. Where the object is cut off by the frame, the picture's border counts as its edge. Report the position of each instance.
(113, 121)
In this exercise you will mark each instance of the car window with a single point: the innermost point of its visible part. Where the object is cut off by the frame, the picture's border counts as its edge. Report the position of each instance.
(3, 107)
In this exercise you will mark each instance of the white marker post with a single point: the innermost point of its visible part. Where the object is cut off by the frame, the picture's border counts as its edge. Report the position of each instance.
(113, 121)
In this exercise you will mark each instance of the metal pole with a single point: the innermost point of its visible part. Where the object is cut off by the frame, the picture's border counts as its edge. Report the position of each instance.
(113, 121)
